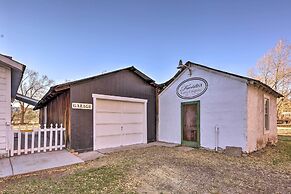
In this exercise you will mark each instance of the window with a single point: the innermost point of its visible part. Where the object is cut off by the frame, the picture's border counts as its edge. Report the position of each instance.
(266, 113)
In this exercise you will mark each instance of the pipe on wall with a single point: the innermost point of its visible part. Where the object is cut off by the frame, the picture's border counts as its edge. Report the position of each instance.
(216, 137)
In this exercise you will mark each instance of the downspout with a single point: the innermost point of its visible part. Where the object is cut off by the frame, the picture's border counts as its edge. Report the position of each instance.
(157, 114)
(216, 137)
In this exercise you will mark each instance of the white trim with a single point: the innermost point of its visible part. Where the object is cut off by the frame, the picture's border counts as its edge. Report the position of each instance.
(172, 82)
(118, 98)
(266, 97)
(94, 126)
(145, 134)
(11, 63)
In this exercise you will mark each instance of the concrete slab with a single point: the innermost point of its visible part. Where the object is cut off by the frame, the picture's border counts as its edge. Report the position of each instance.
(5, 168)
(184, 148)
(233, 151)
(87, 156)
(41, 161)
(164, 144)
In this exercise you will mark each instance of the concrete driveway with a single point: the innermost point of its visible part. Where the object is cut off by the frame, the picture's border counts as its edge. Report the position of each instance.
(40, 161)
(34, 162)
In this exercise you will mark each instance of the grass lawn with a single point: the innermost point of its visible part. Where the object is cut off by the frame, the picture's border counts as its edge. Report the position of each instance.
(166, 170)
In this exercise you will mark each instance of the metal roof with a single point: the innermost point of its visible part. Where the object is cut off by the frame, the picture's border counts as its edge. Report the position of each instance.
(58, 89)
(26, 99)
(17, 70)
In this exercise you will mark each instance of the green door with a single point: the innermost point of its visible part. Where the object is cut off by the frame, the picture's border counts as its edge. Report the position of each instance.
(190, 114)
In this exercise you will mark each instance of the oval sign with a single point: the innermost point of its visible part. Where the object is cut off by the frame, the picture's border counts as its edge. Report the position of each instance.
(192, 88)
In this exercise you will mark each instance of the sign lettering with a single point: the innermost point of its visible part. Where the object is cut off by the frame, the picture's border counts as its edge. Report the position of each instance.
(84, 106)
(192, 88)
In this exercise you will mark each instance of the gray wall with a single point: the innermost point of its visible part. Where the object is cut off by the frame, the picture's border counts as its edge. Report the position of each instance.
(124, 83)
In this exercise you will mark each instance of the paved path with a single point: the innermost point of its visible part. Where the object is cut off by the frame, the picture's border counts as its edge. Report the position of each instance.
(34, 162)
(40, 161)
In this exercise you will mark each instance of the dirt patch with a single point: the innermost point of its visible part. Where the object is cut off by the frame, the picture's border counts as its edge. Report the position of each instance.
(166, 170)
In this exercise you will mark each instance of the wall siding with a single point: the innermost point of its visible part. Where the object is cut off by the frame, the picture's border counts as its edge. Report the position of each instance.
(58, 112)
(223, 104)
(5, 106)
(257, 137)
(124, 83)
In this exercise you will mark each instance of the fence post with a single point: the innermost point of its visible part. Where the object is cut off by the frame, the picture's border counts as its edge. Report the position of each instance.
(51, 137)
(61, 137)
(38, 138)
(56, 137)
(25, 142)
(45, 137)
(11, 135)
(19, 142)
(32, 140)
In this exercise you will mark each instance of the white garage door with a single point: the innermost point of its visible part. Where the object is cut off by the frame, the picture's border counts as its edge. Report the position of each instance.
(119, 121)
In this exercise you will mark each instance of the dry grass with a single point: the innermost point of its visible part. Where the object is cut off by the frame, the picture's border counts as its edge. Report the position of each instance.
(166, 170)
(286, 131)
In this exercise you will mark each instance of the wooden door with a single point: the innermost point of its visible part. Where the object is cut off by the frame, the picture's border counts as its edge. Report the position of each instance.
(191, 124)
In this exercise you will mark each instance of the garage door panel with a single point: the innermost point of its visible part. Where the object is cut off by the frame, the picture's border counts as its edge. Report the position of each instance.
(107, 118)
(107, 130)
(133, 128)
(132, 118)
(133, 107)
(108, 106)
(130, 139)
(108, 142)
(118, 123)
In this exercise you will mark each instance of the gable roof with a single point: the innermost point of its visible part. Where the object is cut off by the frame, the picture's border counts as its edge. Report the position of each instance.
(17, 70)
(58, 89)
(249, 80)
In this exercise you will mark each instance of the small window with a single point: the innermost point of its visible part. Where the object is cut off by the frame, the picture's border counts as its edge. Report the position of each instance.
(266, 113)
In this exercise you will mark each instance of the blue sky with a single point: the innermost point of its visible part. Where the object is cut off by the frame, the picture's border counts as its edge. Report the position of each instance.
(70, 39)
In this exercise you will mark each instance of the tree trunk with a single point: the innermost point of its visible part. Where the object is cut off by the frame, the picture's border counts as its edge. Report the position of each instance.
(22, 114)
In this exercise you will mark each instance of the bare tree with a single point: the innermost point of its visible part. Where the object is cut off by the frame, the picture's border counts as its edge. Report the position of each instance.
(274, 69)
(34, 86)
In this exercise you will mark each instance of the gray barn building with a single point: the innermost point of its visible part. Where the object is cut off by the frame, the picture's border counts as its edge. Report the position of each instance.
(109, 110)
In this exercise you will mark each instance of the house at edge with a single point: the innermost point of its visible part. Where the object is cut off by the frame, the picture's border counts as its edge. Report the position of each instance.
(202, 106)
(11, 73)
(108, 110)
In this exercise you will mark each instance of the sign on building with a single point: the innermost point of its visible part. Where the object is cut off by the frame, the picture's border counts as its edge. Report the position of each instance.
(84, 106)
(192, 88)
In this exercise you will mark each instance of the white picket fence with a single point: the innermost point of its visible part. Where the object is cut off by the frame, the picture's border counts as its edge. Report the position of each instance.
(40, 139)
